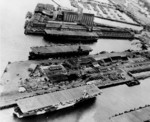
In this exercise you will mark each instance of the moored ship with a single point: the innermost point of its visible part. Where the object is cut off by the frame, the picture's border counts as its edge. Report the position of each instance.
(54, 101)
(45, 52)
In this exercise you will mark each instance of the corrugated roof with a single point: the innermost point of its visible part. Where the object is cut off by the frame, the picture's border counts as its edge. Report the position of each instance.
(41, 101)
(59, 49)
(65, 25)
(71, 33)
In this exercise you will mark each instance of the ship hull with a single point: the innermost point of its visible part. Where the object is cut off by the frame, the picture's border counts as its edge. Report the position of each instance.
(69, 39)
(59, 107)
(56, 55)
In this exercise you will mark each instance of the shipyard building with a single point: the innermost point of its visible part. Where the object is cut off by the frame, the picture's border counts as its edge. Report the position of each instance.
(80, 21)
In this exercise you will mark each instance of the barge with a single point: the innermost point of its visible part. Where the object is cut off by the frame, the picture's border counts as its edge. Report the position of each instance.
(54, 101)
(46, 52)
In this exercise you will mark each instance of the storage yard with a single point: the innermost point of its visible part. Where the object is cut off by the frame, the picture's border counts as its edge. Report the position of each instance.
(60, 71)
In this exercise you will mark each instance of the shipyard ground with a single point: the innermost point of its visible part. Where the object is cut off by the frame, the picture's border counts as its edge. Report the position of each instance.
(115, 71)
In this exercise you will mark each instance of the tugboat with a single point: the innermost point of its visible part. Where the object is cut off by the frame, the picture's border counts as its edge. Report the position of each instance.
(54, 101)
(133, 83)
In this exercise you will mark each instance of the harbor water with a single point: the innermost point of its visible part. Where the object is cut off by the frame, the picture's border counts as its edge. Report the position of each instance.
(15, 46)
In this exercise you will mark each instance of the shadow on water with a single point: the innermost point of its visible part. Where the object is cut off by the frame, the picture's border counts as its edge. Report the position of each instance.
(74, 111)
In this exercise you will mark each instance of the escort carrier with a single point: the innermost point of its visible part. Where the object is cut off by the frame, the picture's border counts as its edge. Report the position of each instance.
(62, 51)
(55, 101)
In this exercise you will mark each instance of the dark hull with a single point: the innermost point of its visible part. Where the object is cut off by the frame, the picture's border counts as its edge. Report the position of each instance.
(77, 104)
(57, 55)
(69, 39)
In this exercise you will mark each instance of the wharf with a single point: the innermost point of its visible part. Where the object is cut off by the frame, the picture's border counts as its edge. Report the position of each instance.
(133, 115)
(72, 26)
(29, 78)
(59, 29)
